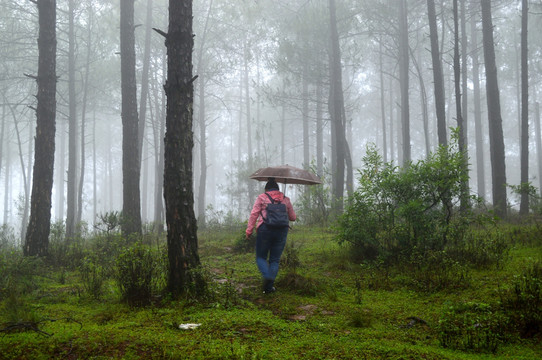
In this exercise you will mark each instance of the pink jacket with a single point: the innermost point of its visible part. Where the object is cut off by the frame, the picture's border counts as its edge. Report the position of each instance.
(260, 206)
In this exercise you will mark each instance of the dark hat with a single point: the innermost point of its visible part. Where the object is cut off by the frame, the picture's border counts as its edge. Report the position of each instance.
(271, 184)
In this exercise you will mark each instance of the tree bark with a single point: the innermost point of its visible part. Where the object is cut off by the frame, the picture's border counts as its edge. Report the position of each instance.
(524, 203)
(480, 162)
(437, 74)
(319, 129)
(79, 216)
(382, 103)
(459, 112)
(305, 116)
(178, 194)
(131, 165)
(336, 102)
(404, 83)
(71, 208)
(202, 122)
(538, 134)
(144, 97)
(496, 140)
(37, 235)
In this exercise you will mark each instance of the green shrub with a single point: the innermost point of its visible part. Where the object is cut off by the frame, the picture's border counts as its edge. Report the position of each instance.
(435, 270)
(522, 301)
(314, 204)
(92, 276)
(18, 273)
(7, 237)
(471, 326)
(138, 274)
(290, 256)
(398, 214)
(243, 244)
(481, 249)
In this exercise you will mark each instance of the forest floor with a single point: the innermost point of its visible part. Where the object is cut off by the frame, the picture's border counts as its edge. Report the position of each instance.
(325, 307)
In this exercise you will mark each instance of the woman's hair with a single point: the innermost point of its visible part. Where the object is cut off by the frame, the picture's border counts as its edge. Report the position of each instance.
(271, 184)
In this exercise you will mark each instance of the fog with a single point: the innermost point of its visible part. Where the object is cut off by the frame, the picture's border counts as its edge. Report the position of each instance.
(263, 72)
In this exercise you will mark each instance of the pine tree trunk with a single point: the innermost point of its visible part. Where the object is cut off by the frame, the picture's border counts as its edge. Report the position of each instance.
(404, 82)
(496, 139)
(71, 208)
(524, 203)
(478, 133)
(178, 194)
(131, 165)
(336, 102)
(144, 100)
(37, 235)
(437, 74)
(538, 134)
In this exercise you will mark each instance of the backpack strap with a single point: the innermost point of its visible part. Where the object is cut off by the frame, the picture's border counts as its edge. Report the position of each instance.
(270, 198)
(272, 202)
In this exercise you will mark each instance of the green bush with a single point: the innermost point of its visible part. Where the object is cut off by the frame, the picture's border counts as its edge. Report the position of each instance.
(93, 277)
(395, 210)
(243, 244)
(18, 273)
(522, 301)
(7, 237)
(435, 270)
(138, 274)
(314, 204)
(471, 326)
(482, 248)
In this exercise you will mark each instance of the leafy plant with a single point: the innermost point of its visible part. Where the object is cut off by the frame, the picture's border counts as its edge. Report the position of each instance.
(471, 326)
(396, 210)
(93, 277)
(523, 301)
(138, 274)
(314, 204)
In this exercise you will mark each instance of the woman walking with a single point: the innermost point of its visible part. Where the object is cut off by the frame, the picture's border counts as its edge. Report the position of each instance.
(271, 233)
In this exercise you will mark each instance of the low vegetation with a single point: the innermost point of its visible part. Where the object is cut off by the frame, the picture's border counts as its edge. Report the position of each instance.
(328, 305)
(405, 273)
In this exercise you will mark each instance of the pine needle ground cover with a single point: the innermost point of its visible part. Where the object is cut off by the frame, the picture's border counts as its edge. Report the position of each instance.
(327, 307)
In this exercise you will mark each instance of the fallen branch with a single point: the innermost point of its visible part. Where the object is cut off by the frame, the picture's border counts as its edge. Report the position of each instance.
(33, 326)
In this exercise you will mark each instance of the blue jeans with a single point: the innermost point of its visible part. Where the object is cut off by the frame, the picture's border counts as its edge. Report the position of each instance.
(270, 243)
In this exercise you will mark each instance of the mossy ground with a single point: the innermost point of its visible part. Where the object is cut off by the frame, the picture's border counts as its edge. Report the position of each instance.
(326, 307)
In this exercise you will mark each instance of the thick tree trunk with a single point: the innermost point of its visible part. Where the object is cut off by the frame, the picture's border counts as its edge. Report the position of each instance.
(478, 133)
(144, 99)
(403, 78)
(336, 102)
(496, 139)
(178, 194)
(37, 235)
(131, 165)
(524, 204)
(437, 74)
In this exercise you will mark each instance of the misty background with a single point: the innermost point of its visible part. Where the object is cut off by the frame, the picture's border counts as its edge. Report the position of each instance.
(261, 97)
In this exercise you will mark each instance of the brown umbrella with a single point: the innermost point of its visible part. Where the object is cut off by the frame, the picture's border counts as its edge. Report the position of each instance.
(286, 174)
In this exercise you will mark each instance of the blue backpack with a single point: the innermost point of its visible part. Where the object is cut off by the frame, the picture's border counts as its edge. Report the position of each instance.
(277, 214)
